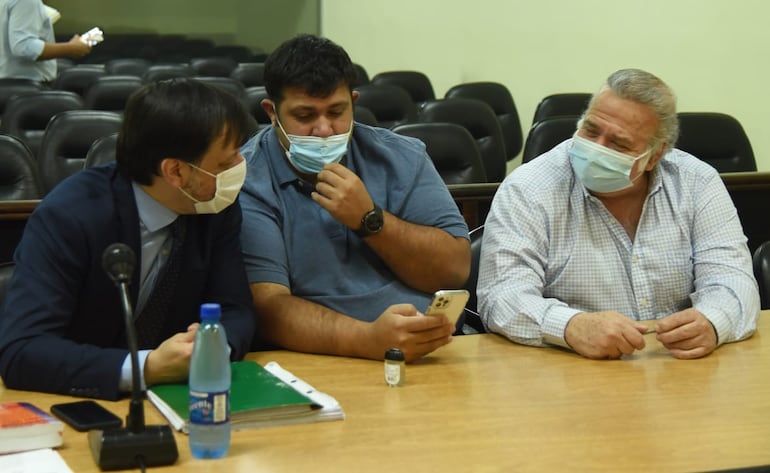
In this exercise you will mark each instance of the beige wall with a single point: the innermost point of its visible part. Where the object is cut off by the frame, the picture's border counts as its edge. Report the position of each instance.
(259, 24)
(713, 53)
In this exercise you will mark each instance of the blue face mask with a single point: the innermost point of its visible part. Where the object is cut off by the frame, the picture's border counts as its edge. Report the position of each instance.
(602, 169)
(309, 154)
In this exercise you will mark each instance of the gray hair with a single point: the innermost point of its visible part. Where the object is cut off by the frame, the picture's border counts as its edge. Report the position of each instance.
(645, 88)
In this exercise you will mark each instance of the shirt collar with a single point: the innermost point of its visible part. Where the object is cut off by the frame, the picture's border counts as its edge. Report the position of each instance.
(152, 213)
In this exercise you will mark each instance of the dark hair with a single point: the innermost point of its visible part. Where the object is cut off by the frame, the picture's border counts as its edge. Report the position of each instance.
(176, 118)
(316, 65)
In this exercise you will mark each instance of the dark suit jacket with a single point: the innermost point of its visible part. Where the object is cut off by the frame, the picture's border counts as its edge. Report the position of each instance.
(62, 328)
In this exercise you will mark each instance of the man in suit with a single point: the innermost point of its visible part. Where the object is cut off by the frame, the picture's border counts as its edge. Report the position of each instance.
(171, 197)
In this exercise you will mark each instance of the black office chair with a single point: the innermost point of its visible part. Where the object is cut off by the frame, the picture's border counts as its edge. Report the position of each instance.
(557, 105)
(363, 115)
(250, 74)
(391, 105)
(498, 97)
(546, 134)
(254, 97)
(717, 139)
(415, 83)
(102, 151)
(226, 84)
(213, 66)
(19, 177)
(27, 115)
(111, 93)
(362, 77)
(762, 272)
(78, 78)
(480, 120)
(68, 138)
(127, 66)
(158, 72)
(236, 52)
(451, 148)
(10, 88)
(472, 318)
(6, 273)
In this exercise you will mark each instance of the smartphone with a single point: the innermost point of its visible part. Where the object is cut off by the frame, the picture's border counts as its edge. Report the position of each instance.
(85, 415)
(450, 302)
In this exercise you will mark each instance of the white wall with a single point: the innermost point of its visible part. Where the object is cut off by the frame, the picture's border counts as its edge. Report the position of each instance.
(715, 54)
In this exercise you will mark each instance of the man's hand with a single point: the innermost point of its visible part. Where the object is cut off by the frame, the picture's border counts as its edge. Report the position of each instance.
(602, 335)
(340, 191)
(170, 362)
(687, 334)
(402, 326)
(77, 47)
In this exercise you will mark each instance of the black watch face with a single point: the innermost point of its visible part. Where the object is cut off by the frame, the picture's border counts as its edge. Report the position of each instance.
(374, 221)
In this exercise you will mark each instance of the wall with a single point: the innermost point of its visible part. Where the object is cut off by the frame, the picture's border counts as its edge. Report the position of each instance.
(259, 24)
(713, 53)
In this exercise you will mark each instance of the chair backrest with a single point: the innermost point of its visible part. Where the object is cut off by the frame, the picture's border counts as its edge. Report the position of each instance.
(9, 88)
(762, 272)
(226, 84)
(158, 72)
(215, 66)
(546, 134)
(127, 66)
(6, 272)
(560, 105)
(27, 115)
(362, 77)
(19, 177)
(250, 74)
(478, 118)
(111, 92)
(78, 78)
(416, 84)
(391, 105)
(472, 312)
(102, 151)
(498, 97)
(364, 115)
(717, 139)
(68, 138)
(451, 148)
(254, 97)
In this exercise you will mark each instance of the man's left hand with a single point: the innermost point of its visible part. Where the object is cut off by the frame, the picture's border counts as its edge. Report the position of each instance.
(687, 334)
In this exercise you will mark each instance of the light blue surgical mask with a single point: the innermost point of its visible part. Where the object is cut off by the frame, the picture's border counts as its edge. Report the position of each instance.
(602, 169)
(309, 154)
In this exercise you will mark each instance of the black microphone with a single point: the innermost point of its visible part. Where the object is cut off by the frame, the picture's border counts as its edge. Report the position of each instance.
(136, 445)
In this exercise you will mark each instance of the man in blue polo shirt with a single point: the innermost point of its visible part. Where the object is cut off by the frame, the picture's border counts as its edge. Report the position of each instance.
(347, 229)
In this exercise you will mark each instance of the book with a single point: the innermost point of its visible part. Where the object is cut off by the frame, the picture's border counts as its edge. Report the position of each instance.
(25, 427)
(260, 396)
(52, 13)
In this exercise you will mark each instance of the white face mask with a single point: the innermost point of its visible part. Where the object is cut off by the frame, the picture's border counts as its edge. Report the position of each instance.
(602, 169)
(229, 183)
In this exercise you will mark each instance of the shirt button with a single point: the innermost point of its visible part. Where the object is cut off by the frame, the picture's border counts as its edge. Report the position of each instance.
(635, 259)
(644, 302)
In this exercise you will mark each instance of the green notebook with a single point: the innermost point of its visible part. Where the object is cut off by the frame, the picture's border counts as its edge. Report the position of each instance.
(257, 396)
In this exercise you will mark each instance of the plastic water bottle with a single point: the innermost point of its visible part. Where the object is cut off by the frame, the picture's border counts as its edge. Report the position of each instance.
(210, 387)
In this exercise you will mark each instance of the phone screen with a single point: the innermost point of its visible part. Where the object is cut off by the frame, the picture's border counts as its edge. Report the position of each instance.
(85, 415)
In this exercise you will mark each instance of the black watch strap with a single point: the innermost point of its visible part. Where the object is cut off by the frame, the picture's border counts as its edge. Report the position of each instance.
(371, 223)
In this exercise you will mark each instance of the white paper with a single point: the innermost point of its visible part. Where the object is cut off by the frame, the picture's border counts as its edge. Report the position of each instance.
(44, 460)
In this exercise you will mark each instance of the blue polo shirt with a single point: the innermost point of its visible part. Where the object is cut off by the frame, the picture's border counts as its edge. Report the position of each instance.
(290, 240)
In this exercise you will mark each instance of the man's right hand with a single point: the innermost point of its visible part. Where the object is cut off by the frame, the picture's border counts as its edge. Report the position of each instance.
(170, 362)
(77, 47)
(604, 335)
(402, 326)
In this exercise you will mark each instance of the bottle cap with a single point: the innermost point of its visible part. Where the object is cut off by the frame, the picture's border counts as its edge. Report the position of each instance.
(210, 311)
(394, 354)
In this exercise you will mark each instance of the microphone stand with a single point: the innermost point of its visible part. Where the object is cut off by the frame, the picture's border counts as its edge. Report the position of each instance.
(137, 445)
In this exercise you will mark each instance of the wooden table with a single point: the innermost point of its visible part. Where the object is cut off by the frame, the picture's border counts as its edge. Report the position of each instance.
(483, 404)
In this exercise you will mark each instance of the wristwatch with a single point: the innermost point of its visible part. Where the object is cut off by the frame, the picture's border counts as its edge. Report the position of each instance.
(371, 223)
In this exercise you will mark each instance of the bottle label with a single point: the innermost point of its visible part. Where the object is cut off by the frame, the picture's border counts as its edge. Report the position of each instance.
(393, 374)
(209, 408)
